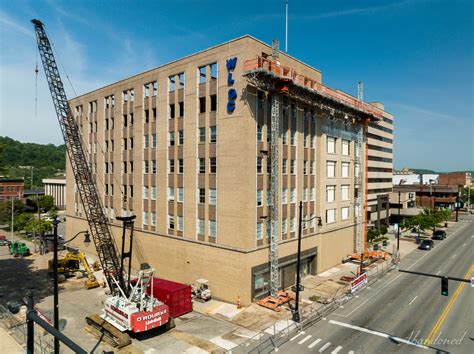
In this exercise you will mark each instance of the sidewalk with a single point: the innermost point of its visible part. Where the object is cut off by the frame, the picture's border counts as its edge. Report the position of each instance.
(8, 344)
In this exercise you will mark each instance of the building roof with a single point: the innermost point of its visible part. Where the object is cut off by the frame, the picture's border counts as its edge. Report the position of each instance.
(8, 179)
(414, 179)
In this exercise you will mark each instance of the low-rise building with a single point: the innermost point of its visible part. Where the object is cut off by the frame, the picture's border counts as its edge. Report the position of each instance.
(11, 188)
(56, 187)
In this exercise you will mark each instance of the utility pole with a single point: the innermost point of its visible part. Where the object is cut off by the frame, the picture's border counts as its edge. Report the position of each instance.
(286, 28)
(398, 228)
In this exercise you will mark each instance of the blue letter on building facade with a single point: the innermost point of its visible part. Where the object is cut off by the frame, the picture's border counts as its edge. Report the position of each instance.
(232, 93)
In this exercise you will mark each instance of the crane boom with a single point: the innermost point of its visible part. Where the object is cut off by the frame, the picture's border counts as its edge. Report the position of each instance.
(88, 193)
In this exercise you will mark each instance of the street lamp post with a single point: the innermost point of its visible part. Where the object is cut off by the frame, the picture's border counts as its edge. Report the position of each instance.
(296, 313)
(55, 275)
(398, 228)
(432, 202)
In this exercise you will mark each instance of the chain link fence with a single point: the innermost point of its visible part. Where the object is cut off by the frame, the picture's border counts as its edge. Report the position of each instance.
(281, 331)
(18, 330)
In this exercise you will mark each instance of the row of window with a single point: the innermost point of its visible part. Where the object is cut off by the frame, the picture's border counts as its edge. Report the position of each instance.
(331, 215)
(380, 159)
(150, 166)
(380, 127)
(381, 138)
(309, 194)
(331, 169)
(177, 223)
(331, 193)
(379, 148)
(331, 143)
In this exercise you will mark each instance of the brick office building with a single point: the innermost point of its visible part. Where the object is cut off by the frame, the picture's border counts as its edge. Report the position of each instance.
(185, 148)
(11, 188)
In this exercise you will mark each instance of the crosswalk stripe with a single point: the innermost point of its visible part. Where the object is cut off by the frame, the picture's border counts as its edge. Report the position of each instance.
(314, 343)
(305, 339)
(324, 347)
(335, 351)
(351, 352)
(299, 334)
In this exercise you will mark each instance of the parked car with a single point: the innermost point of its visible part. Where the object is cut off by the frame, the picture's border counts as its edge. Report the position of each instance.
(426, 245)
(439, 235)
(4, 242)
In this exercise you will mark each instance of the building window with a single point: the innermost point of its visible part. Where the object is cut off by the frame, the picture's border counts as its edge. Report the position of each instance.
(170, 193)
(305, 194)
(181, 80)
(284, 136)
(153, 141)
(259, 133)
(259, 231)
(293, 224)
(330, 193)
(145, 192)
(269, 197)
(147, 116)
(213, 163)
(170, 166)
(293, 195)
(145, 218)
(202, 195)
(259, 197)
(213, 103)
(330, 216)
(171, 222)
(202, 165)
(345, 169)
(330, 145)
(153, 218)
(292, 137)
(171, 83)
(345, 147)
(153, 192)
(145, 141)
(213, 69)
(181, 109)
(312, 220)
(284, 166)
(171, 113)
(131, 166)
(284, 196)
(202, 104)
(180, 223)
(202, 135)
(153, 166)
(124, 144)
(180, 137)
(171, 138)
(293, 167)
(345, 192)
(180, 194)
(259, 165)
(330, 169)
(284, 226)
(154, 113)
(155, 88)
(305, 167)
(312, 196)
(345, 213)
(212, 196)
(181, 166)
(146, 166)
(313, 167)
(212, 228)
(202, 74)
(200, 227)
(213, 131)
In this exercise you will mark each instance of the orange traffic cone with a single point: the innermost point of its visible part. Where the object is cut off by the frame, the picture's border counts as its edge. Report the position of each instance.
(239, 305)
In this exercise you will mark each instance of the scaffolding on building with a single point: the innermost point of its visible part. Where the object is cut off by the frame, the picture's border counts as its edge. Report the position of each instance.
(267, 74)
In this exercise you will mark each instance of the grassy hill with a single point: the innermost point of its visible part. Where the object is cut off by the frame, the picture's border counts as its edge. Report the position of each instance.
(16, 158)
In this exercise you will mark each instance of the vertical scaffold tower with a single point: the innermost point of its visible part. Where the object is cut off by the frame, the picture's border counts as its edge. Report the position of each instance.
(269, 75)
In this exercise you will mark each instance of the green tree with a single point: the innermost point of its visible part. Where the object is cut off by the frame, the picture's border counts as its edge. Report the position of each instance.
(22, 220)
(467, 195)
(372, 234)
(45, 202)
(383, 230)
(37, 226)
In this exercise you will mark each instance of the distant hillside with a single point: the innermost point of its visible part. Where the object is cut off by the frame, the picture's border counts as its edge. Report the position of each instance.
(47, 160)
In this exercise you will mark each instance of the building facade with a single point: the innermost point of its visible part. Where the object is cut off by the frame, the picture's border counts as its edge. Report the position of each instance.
(185, 148)
(380, 168)
(11, 188)
(56, 187)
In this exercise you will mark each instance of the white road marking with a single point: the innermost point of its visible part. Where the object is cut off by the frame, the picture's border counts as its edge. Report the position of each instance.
(438, 272)
(335, 351)
(299, 334)
(380, 334)
(324, 347)
(351, 352)
(412, 300)
(305, 339)
(314, 343)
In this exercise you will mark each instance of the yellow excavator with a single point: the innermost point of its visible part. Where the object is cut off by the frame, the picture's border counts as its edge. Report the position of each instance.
(70, 263)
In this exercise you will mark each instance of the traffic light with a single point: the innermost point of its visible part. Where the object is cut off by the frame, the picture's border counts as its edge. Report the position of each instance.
(444, 286)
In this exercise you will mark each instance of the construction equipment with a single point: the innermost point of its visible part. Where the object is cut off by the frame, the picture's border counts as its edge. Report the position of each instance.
(274, 302)
(19, 248)
(69, 264)
(130, 308)
(201, 290)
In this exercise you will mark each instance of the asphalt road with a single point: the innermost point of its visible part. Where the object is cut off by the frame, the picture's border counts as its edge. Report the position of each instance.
(404, 313)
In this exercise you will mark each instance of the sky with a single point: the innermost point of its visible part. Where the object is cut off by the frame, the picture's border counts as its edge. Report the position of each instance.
(415, 56)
